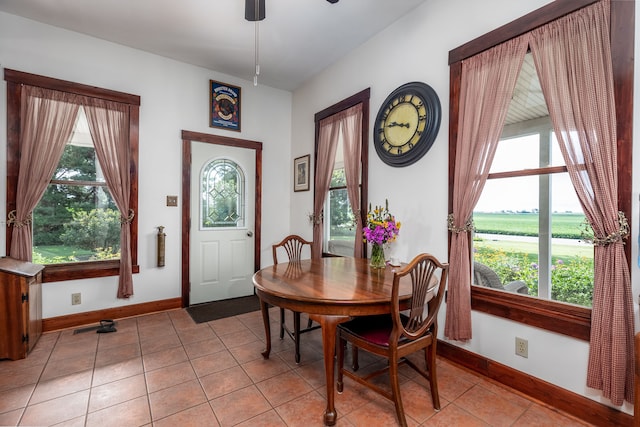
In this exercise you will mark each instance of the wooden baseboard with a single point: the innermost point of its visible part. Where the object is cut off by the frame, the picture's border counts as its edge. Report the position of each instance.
(89, 317)
(572, 403)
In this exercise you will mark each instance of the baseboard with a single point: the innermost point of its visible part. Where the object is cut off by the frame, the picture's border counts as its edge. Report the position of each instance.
(89, 317)
(579, 406)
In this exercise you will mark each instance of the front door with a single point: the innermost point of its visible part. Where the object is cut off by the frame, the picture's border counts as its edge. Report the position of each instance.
(222, 222)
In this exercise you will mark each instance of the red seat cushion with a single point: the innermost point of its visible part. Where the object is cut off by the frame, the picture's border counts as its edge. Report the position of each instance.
(375, 329)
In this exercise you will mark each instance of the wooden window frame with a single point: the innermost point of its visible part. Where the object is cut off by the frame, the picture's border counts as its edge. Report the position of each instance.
(361, 97)
(550, 315)
(15, 80)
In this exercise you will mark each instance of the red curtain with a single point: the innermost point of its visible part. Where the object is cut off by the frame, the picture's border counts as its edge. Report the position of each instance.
(109, 127)
(47, 120)
(573, 59)
(488, 80)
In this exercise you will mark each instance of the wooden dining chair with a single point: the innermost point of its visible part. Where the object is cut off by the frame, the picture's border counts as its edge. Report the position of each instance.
(292, 245)
(404, 331)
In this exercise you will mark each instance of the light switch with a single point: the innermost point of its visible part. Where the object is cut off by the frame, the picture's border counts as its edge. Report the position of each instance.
(172, 200)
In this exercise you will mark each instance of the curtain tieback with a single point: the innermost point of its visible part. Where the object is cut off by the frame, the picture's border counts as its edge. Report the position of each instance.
(618, 236)
(13, 220)
(468, 226)
(316, 219)
(128, 219)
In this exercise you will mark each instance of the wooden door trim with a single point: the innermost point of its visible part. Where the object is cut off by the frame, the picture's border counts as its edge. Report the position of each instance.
(187, 138)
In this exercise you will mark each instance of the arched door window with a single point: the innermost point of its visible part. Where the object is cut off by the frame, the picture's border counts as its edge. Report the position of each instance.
(222, 190)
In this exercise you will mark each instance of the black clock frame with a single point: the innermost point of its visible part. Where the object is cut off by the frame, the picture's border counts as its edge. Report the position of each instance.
(428, 136)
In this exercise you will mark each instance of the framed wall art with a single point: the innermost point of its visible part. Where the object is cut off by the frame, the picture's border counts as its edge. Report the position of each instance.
(224, 106)
(301, 173)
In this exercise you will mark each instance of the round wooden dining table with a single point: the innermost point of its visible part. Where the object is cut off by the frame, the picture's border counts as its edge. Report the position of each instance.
(331, 290)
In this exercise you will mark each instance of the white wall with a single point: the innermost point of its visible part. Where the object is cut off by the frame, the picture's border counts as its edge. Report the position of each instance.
(416, 48)
(174, 97)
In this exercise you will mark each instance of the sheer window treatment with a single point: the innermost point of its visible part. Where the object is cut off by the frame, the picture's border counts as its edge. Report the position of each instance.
(573, 61)
(349, 122)
(352, 147)
(488, 80)
(48, 118)
(109, 127)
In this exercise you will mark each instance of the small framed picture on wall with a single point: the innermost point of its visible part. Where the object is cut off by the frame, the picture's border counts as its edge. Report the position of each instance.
(224, 106)
(301, 173)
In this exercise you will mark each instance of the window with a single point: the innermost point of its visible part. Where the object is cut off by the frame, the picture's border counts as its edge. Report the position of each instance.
(552, 315)
(339, 225)
(338, 233)
(222, 191)
(76, 219)
(529, 222)
(71, 181)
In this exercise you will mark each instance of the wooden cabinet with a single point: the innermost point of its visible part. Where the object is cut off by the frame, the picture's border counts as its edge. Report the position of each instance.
(20, 307)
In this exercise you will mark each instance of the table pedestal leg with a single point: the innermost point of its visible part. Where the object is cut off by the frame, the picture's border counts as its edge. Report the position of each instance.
(329, 328)
(267, 328)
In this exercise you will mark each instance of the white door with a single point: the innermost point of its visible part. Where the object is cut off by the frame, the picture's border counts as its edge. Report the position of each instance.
(222, 222)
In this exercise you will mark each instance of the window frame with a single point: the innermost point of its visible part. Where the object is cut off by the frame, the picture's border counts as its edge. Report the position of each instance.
(15, 80)
(361, 97)
(566, 319)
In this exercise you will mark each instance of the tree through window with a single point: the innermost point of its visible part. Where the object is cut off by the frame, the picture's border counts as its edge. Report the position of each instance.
(76, 165)
(76, 219)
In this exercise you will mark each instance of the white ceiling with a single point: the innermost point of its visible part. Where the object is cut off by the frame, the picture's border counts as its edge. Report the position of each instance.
(297, 39)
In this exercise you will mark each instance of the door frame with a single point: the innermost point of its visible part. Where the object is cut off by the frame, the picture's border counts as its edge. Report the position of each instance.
(187, 138)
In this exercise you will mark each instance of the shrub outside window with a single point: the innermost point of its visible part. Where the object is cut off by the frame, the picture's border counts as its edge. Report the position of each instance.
(76, 219)
(97, 264)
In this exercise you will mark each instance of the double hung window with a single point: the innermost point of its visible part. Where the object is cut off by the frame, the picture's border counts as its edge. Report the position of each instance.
(76, 225)
(529, 224)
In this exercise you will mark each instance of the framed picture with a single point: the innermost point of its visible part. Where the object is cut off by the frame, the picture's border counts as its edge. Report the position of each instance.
(301, 173)
(224, 106)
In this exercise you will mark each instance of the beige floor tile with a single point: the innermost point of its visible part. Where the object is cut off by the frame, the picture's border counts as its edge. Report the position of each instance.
(60, 386)
(117, 392)
(239, 406)
(169, 376)
(164, 358)
(56, 410)
(490, 407)
(164, 370)
(15, 398)
(130, 413)
(453, 415)
(283, 388)
(214, 362)
(117, 371)
(202, 348)
(198, 416)
(224, 382)
(175, 399)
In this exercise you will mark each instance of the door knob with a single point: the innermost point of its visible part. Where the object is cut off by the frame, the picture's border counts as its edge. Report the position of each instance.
(250, 233)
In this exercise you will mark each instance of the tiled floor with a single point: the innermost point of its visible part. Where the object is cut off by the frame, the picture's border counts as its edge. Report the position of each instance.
(165, 370)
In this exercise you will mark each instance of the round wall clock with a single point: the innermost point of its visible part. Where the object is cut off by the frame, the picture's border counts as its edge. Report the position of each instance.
(407, 124)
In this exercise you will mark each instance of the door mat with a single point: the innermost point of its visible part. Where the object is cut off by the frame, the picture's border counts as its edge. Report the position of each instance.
(209, 311)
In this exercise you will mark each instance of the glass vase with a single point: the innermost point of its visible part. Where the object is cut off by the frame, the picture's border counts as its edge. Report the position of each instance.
(377, 256)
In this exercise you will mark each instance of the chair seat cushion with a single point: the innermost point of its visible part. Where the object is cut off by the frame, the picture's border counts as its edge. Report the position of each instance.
(375, 329)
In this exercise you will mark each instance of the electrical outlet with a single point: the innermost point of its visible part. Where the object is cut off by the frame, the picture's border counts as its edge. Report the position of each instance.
(522, 347)
(76, 299)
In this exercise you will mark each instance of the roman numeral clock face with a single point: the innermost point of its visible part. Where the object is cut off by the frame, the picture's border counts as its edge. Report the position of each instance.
(407, 124)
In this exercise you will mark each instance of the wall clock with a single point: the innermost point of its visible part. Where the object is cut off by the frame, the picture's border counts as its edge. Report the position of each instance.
(407, 124)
